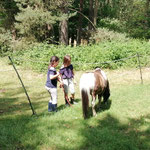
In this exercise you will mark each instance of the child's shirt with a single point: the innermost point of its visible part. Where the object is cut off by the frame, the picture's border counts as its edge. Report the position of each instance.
(66, 72)
(51, 83)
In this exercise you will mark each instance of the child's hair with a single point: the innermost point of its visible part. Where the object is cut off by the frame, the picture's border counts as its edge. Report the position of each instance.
(67, 59)
(53, 60)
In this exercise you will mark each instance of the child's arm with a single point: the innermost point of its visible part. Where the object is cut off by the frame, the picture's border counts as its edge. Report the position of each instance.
(60, 80)
(54, 76)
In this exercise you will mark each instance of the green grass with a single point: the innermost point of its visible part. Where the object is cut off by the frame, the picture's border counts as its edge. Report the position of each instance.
(123, 125)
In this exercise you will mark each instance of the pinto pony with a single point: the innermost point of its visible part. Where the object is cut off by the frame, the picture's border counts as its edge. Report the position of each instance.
(93, 83)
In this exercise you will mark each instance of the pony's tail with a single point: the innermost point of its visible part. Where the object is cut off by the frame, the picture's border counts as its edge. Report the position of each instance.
(85, 102)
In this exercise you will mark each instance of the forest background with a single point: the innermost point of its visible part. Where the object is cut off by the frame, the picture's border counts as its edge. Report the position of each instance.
(89, 30)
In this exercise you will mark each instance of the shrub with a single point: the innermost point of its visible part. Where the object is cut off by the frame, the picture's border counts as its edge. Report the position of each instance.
(103, 34)
(106, 55)
(5, 41)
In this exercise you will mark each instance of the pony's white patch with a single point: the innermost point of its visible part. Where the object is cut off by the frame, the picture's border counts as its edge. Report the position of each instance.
(102, 72)
(87, 81)
(104, 75)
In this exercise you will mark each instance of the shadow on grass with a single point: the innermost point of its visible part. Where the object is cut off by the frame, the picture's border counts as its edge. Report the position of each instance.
(13, 99)
(13, 131)
(110, 134)
(46, 113)
(24, 132)
(9, 101)
(31, 133)
(99, 108)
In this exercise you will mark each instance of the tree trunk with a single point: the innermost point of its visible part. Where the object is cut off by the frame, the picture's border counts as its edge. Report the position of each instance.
(147, 7)
(96, 11)
(63, 30)
(79, 31)
(91, 14)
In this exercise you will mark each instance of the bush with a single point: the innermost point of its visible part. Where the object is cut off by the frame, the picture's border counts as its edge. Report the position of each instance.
(112, 24)
(103, 34)
(5, 41)
(104, 55)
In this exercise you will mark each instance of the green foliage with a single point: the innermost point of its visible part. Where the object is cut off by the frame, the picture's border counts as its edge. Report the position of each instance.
(37, 19)
(34, 22)
(5, 41)
(130, 17)
(112, 24)
(137, 20)
(106, 55)
(104, 34)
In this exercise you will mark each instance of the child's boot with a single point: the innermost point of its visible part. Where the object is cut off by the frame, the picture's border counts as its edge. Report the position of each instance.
(54, 107)
(72, 101)
(50, 107)
(66, 103)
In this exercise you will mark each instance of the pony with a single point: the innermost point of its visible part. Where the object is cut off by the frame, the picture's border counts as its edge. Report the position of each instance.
(93, 83)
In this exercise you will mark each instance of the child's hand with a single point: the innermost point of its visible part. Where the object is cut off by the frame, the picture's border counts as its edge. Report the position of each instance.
(61, 85)
(74, 82)
(58, 74)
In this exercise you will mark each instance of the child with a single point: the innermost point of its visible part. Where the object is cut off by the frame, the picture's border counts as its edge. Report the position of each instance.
(51, 83)
(67, 75)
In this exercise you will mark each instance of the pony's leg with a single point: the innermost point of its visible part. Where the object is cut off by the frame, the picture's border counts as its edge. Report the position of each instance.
(93, 105)
(99, 99)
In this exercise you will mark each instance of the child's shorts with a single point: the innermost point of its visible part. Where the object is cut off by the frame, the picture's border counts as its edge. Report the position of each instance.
(68, 84)
(53, 94)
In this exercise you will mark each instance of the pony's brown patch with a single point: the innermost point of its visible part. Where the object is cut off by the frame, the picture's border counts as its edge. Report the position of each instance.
(100, 83)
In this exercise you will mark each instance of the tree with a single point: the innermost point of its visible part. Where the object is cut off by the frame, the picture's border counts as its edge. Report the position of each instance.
(96, 6)
(91, 13)
(80, 22)
(34, 19)
(63, 28)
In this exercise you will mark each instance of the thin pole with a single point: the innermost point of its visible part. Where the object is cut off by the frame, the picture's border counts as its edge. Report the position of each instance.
(140, 68)
(33, 112)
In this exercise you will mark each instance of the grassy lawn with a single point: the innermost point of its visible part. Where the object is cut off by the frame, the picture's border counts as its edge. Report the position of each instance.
(124, 124)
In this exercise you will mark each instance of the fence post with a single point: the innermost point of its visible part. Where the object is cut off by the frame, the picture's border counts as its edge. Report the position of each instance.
(22, 86)
(138, 56)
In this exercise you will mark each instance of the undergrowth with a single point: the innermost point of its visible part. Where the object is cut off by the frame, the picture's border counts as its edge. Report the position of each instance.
(112, 55)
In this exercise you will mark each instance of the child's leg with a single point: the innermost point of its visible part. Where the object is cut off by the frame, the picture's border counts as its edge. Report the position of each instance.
(72, 90)
(50, 101)
(65, 82)
(54, 98)
(52, 105)
(66, 98)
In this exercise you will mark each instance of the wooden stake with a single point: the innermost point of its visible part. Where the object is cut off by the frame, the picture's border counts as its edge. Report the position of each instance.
(33, 112)
(140, 68)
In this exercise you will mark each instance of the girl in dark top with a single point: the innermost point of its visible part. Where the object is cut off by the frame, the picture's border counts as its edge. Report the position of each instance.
(67, 75)
(51, 83)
